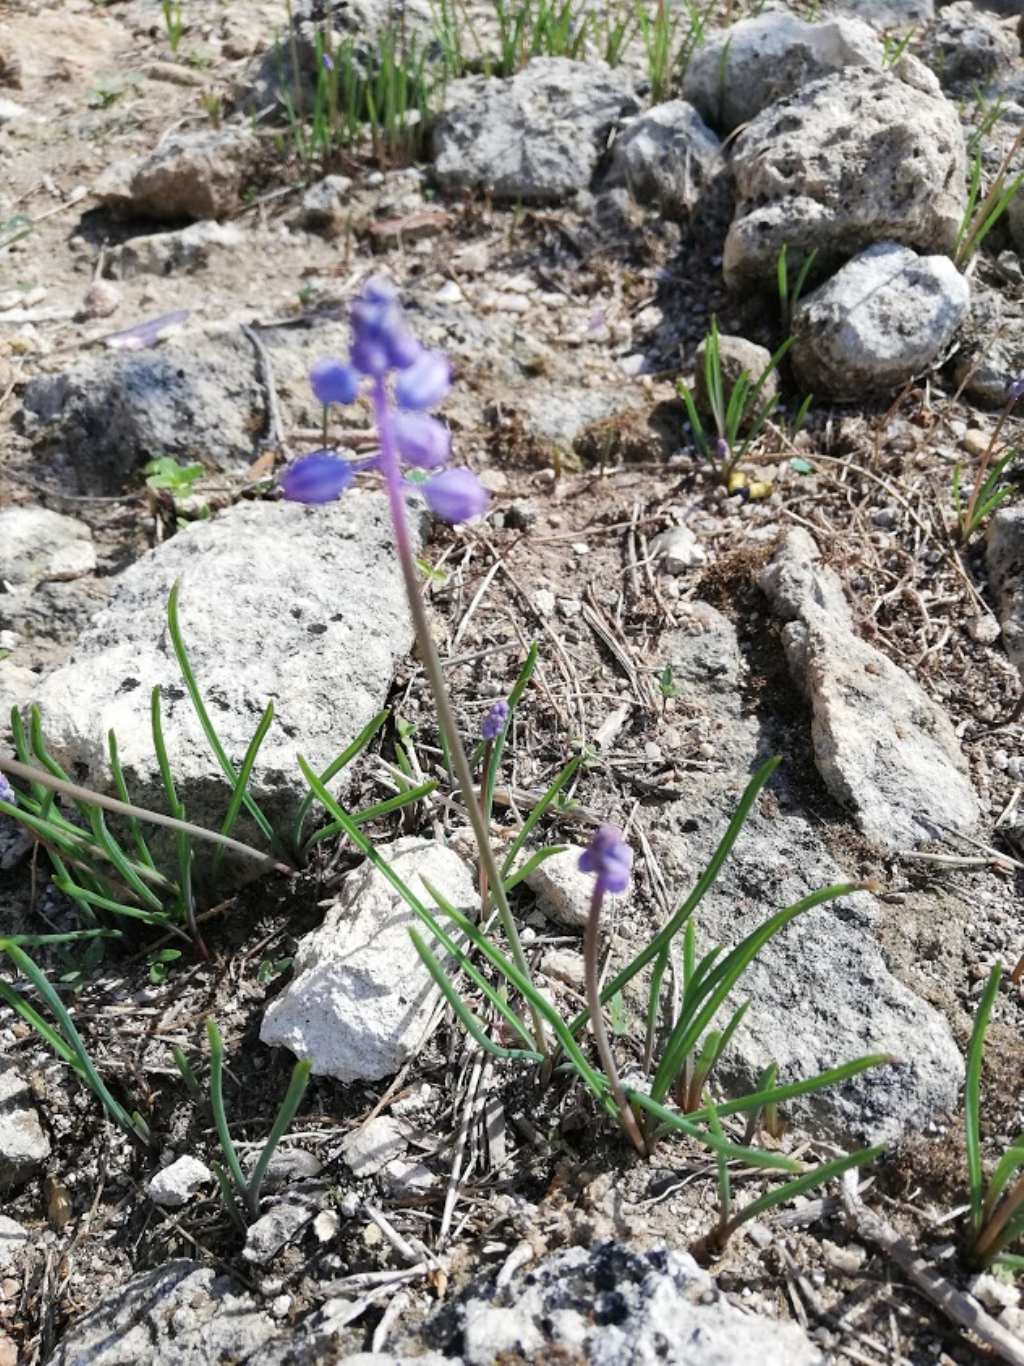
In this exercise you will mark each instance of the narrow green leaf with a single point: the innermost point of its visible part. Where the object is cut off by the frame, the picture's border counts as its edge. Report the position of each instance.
(972, 1096)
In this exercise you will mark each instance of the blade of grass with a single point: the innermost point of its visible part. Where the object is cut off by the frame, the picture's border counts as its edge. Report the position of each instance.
(972, 1097)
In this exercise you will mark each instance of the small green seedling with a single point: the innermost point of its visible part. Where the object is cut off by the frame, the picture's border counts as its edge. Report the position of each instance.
(996, 1218)
(165, 474)
(174, 23)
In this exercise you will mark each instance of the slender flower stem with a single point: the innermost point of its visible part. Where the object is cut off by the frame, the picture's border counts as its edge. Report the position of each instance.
(590, 956)
(389, 467)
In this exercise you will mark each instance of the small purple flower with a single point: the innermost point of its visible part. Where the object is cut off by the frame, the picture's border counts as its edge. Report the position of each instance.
(317, 478)
(609, 857)
(495, 721)
(7, 793)
(333, 381)
(455, 495)
(1015, 390)
(328, 61)
(424, 384)
(722, 449)
(422, 440)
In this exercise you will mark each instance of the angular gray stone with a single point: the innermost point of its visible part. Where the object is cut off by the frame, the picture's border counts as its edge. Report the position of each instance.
(883, 318)
(991, 351)
(23, 1144)
(1005, 556)
(820, 992)
(667, 157)
(188, 175)
(607, 1305)
(272, 1231)
(370, 1148)
(297, 605)
(176, 1184)
(181, 1314)
(174, 253)
(967, 49)
(325, 206)
(884, 749)
(360, 996)
(37, 544)
(742, 68)
(196, 398)
(537, 136)
(853, 159)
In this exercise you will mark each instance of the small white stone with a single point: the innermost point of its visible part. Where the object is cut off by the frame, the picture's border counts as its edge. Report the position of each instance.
(995, 1293)
(984, 629)
(449, 293)
(544, 601)
(179, 1182)
(13, 1238)
(678, 550)
(326, 1225)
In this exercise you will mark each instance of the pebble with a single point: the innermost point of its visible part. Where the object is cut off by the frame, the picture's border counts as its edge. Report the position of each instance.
(976, 441)
(563, 966)
(449, 293)
(984, 629)
(178, 1182)
(544, 601)
(372, 1146)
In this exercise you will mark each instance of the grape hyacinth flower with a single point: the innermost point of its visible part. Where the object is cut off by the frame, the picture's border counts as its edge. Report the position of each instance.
(7, 793)
(404, 381)
(610, 859)
(495, 721)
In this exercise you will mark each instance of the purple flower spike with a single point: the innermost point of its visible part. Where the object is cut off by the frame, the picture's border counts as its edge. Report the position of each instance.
(328, 61)
(455, 495)
(333, 381)
(609, 857)
(422, 440)
(495, 721)
(424, 384)
(7, 793)
(317, 478)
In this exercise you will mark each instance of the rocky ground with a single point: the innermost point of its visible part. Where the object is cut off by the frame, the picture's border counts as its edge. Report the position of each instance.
(566, 234)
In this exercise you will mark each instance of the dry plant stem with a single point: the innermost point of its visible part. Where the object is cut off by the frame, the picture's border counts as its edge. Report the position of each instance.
(1008, 1207)
(435, 677)
(961, 1308)
(85, 794)
(593, 980)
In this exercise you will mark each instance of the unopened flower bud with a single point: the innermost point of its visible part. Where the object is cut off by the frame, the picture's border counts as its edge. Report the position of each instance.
(333, 381)
(455, 495)
(424, 384)
(421, 440)
(609, 857)
(317, 478)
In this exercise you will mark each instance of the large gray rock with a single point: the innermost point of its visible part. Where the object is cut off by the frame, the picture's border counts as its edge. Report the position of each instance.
(297, 605)
(887, 14)
(884, 749)
(967, 49)
(743, 68)
(181, 1314)
(820, 992)
(360, 996)
(607, 1305)
(883, 318)
(37, 544)
(537, 136)
(197, 398)
(23, 1144)
(1005, 555)
(849, 160)
(667, 157)
(188, 175)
